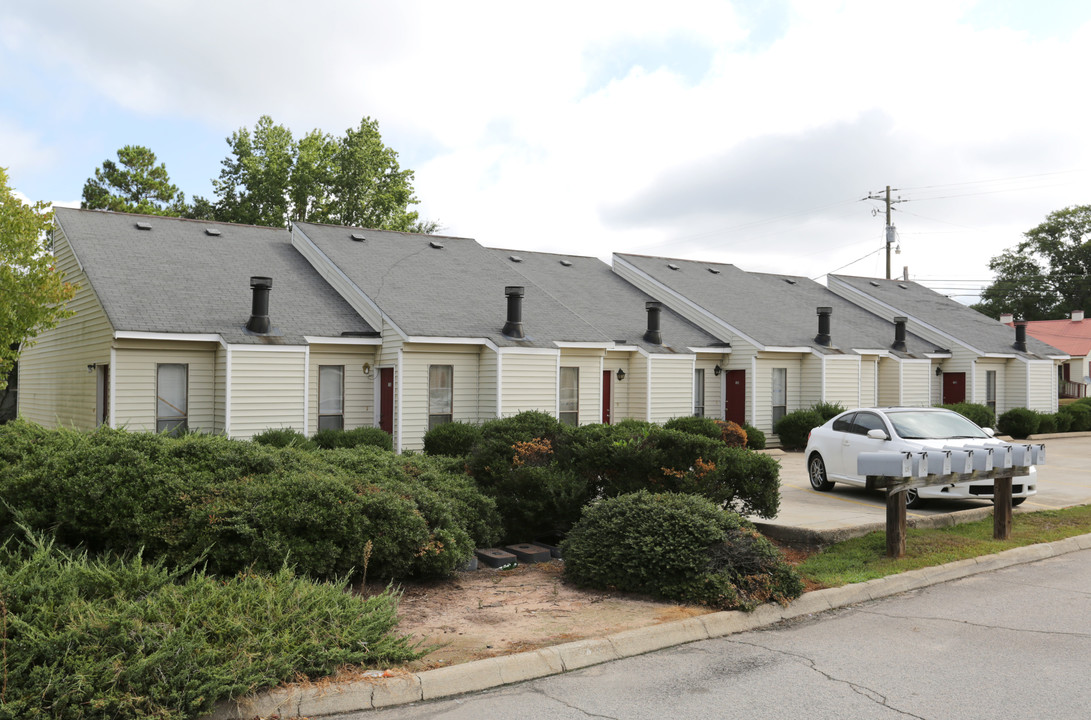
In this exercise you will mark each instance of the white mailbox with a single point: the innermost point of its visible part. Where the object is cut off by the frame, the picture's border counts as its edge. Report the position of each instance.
(1022, 455)
(938, 462)
(885, 464)
(1040, 454)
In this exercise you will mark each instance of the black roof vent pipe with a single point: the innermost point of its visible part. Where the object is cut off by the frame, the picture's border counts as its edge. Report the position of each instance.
(899, 334)
(1020, 335)
(259, 312)
(823, 336)
(513, 328)
(652, 334)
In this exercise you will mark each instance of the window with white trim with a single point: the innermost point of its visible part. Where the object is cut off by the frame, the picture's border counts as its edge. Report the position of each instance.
(172, 398)
(780, 393)
(569, 410)
(990, 390)
(331, 397)
(440, 394)
(699, 392)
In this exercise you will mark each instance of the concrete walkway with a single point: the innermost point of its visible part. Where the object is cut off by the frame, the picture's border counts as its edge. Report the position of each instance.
(805, 515)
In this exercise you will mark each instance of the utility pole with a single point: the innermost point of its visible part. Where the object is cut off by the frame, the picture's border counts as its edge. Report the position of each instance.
(889, 224)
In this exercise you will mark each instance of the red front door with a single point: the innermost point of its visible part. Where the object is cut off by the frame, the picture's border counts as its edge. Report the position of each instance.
(954, 388)
(735, 396)
(607, 396)
(386, 400)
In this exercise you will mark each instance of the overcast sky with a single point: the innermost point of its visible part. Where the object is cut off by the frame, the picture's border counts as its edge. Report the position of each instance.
(745, 132)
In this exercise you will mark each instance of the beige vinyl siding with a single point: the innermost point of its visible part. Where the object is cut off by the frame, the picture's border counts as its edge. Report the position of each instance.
(528, 382)
(915, 383)
(219, 403)
(636, 387)
(465, 402)
(843, 379)
(590, 363)
(890, 384)
(55, 387)
(619, 388)
(810, 380)
(1015, 380)
(359, 388)
(487, 373)
(672, 387)
(267, 389)
(763, 387)
(1042, 386)
(869, 379)
(135, 377)
(336, 280)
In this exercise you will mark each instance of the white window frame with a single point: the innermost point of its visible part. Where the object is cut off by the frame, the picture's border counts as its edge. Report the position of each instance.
(990, 390)
(699, 392)
(331, 420)
(568, 406)
(780, 378)
(177, 423)
(441, 399)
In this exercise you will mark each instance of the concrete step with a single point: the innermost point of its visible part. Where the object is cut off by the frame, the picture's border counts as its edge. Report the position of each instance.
(495, 557)
(528, 553)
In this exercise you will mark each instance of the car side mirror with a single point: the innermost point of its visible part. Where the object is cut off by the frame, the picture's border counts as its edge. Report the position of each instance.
(990, 432)
(878, 434)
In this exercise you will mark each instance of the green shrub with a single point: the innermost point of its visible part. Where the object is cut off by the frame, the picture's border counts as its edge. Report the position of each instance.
(1063, 421)
(373, 436)
(332, 513)
(1047, 423)
(283, 437)
(828, 411)
(980, 414)
(677, 547)
(453, 439)
(1018, 422)
(793, 428)
(1079, 415)
(755, 439)
(87, 638)
(694, 425)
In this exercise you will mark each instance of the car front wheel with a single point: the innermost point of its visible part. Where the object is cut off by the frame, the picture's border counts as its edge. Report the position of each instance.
(816, 469)
(913, 499)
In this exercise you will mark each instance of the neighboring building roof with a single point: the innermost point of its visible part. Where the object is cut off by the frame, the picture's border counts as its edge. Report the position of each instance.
(175, 278)
(589, 288)
(951, 317)
(775, 310)
(1070, 336)
(455, 290)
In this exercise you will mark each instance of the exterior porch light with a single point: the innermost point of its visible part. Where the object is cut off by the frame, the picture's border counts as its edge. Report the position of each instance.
(717, 370)
(939, 371)
(620, 374)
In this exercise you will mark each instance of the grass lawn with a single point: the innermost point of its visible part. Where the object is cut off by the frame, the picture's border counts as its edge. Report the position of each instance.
(864, 558)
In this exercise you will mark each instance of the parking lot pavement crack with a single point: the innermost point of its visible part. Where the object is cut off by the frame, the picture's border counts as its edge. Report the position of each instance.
(570, 706)
(876, 697)
(985, 626)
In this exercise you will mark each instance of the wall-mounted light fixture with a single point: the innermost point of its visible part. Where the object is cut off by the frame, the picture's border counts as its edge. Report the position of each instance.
(939, 371)
(717, 370)
(367, 369)
(620, 374)
(91, 367)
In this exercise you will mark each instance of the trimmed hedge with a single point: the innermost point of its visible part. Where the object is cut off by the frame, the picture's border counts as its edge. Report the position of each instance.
(283, 437)
(677, 547)
(704, 426)
(1079, 415)
(793, 428)
(755, 439)
(1018, 422)
(356, 437)
(87, 638)
(982, 415)
(243, 505)
(453, 439)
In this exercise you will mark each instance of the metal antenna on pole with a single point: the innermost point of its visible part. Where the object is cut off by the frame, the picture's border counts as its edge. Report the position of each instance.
(889, 225)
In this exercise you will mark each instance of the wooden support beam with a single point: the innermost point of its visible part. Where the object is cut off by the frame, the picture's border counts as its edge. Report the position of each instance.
(895, 524)
(1002, 508)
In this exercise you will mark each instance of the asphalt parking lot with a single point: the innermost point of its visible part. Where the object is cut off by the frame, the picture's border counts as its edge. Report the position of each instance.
(807, 515)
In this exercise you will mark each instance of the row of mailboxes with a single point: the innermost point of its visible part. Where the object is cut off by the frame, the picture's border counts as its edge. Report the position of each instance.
(958, 461)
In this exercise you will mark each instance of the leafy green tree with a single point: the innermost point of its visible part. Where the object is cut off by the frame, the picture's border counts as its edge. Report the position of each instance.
(32, 293)
(1046, 275)
(134, 184)
(269, 178)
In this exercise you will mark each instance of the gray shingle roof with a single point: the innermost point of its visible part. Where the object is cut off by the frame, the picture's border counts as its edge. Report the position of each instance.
(589, 288)
(927, 306)
(174, 278)
(456, 290)
(775, 310)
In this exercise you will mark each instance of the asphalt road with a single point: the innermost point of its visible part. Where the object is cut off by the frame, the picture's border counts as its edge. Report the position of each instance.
(1063, 481)
(1013, 643)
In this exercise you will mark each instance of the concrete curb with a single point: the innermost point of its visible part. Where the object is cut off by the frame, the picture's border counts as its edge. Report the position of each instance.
(811, 536)
(316, 701)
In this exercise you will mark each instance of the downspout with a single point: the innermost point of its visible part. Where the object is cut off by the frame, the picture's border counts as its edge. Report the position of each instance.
(307, 388)
(398, 387)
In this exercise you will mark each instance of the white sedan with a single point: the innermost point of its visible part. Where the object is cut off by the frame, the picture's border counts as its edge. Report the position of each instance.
(832, 449)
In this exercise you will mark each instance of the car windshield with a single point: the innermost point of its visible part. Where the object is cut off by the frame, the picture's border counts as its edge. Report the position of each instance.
(930, 425)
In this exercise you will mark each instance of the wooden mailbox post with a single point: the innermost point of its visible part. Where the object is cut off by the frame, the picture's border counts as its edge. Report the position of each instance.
(917, 470)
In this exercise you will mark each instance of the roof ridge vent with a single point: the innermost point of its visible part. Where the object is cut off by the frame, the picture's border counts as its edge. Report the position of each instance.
(143, 226)
(903, 286)
(213, 232)
(566, 263)
(435, 244)
(872, 283)
(672, 266)
(358, 237)
(515, 258)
